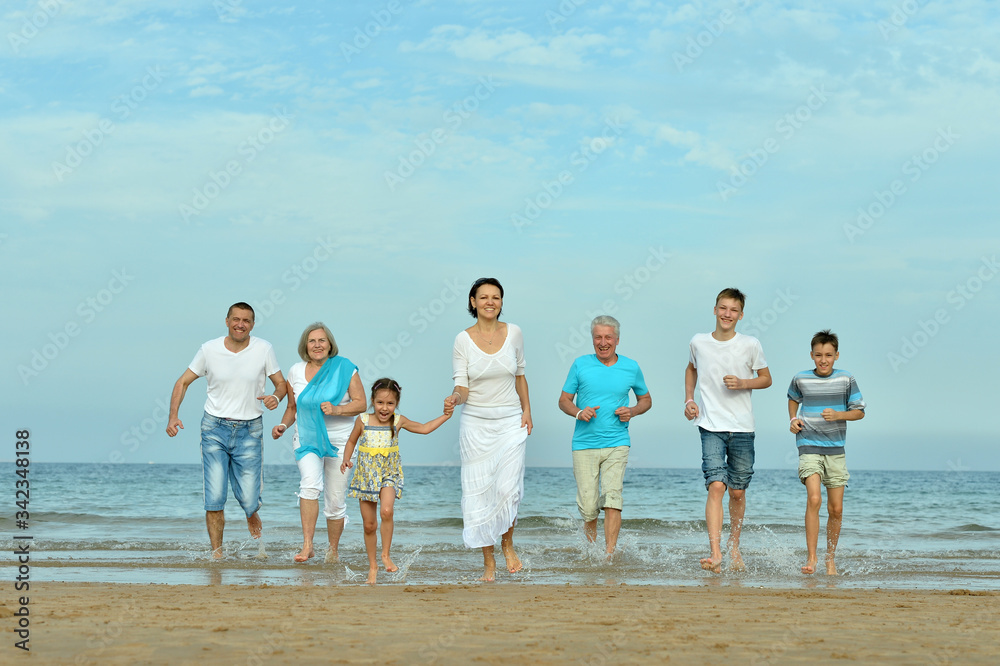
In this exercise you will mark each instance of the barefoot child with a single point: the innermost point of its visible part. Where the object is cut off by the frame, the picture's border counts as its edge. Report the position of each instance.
(829, 399)
(379, 475)
(727, 367)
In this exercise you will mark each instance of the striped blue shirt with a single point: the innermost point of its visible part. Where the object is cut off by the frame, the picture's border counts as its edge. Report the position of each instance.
(814, 393)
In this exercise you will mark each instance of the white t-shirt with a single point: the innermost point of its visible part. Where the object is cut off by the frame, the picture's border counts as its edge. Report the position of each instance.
(337, 427)
(489, 377)
(722, 409)
(235, 379)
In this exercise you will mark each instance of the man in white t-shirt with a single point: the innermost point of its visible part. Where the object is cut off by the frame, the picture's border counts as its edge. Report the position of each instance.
(232, 430)
(725, 366)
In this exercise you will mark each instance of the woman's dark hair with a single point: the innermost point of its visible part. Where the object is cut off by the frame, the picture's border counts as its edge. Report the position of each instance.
(475, 287)
(391, 385)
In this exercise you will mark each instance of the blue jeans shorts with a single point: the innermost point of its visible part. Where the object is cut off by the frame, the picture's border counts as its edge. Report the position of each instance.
(727, 457)
(232, 452)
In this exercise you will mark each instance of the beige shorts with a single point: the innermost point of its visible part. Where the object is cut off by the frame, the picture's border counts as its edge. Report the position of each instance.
(600, 474)
(832, 470)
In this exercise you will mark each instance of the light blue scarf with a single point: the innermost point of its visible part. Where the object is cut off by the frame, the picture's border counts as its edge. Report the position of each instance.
(328, 385)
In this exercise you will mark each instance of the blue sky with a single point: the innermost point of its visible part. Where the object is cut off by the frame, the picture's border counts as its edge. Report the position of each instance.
(363, 163)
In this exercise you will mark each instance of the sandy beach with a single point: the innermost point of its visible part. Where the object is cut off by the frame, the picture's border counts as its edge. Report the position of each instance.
(501, 623)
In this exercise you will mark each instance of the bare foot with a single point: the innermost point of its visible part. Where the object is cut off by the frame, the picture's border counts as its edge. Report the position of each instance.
(217, 554)
(304, 555)
(489, 573)
(809, 567)
(737, 564)
(712, 564)
(510, 557)
(372, 573)
(831, 568)
(331, 556)
(387, 561)
(253, 522)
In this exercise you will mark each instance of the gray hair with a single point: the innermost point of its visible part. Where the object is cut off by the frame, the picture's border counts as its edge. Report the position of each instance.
(606, 320)
(304, 339)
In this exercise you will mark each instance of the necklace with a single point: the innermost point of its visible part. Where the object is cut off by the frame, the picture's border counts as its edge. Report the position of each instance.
(490, 341)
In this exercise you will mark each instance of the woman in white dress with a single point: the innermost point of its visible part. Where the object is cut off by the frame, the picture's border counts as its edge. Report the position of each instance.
(488, 364)
(324, 396)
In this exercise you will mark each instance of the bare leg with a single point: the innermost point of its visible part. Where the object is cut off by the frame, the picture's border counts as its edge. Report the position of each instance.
(713, 520)
(334, 529)
(612, 525)
(388, 499)
(834, 519)
(369, 516)
(737, 507)
(590, 529)
(254, 525)
(507, 548)
(216, 522)
(814, 498)
(308, 512)
(489, 565)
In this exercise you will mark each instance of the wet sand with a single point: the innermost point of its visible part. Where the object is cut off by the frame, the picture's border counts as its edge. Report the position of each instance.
(500, 623)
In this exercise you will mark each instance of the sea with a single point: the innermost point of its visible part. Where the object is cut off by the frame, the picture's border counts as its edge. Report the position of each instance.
(130, 523)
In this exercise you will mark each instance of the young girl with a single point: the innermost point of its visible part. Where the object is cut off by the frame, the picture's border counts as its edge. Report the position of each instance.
(379, 474)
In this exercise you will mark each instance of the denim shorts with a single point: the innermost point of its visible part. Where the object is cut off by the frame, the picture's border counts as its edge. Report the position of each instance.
(232, 452)
(727, 457)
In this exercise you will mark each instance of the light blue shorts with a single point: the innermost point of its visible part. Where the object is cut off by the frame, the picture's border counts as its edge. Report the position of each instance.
(727, 457)
(232, 452)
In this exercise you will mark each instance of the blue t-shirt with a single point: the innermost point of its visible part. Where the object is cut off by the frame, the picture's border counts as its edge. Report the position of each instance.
(598, 385)
(814, 393)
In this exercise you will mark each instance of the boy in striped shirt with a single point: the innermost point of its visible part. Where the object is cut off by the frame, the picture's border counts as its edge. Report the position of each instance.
(828, 399)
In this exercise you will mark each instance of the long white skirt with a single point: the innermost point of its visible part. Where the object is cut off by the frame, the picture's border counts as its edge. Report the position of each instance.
(492, 476)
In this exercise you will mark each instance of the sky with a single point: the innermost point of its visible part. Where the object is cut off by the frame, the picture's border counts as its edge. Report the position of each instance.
(362, 164)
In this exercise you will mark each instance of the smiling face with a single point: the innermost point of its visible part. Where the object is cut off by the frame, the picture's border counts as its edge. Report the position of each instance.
(318, 346)
(487, 302)
(728, 311)
(240, 323)
(384, 405)
(824, 356)
(605, 343)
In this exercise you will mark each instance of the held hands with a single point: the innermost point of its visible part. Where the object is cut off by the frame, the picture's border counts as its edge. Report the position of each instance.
(269, 401)
(796, 425)
(449, 409)
(173, 425)
(588, 413)
(346, 465)
(733, 383)
(691, 410)
(327, 408)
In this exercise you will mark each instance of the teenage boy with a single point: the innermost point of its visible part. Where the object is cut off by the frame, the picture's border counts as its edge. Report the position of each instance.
(828, 399)
(725, 366)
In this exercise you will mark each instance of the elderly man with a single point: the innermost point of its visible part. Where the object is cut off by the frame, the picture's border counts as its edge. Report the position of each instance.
(232, 431)
(600, 383)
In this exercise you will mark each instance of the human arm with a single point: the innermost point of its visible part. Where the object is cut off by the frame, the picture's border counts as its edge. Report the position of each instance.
(567, 405)
(795, 424)
(357, 405)
(422, 428)
(176, 397)
(641, 406)
(521, 386)
(691, 410)
(761, 381)
(280, 389)
(288, 418)
(830, 414)
(352, 442)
